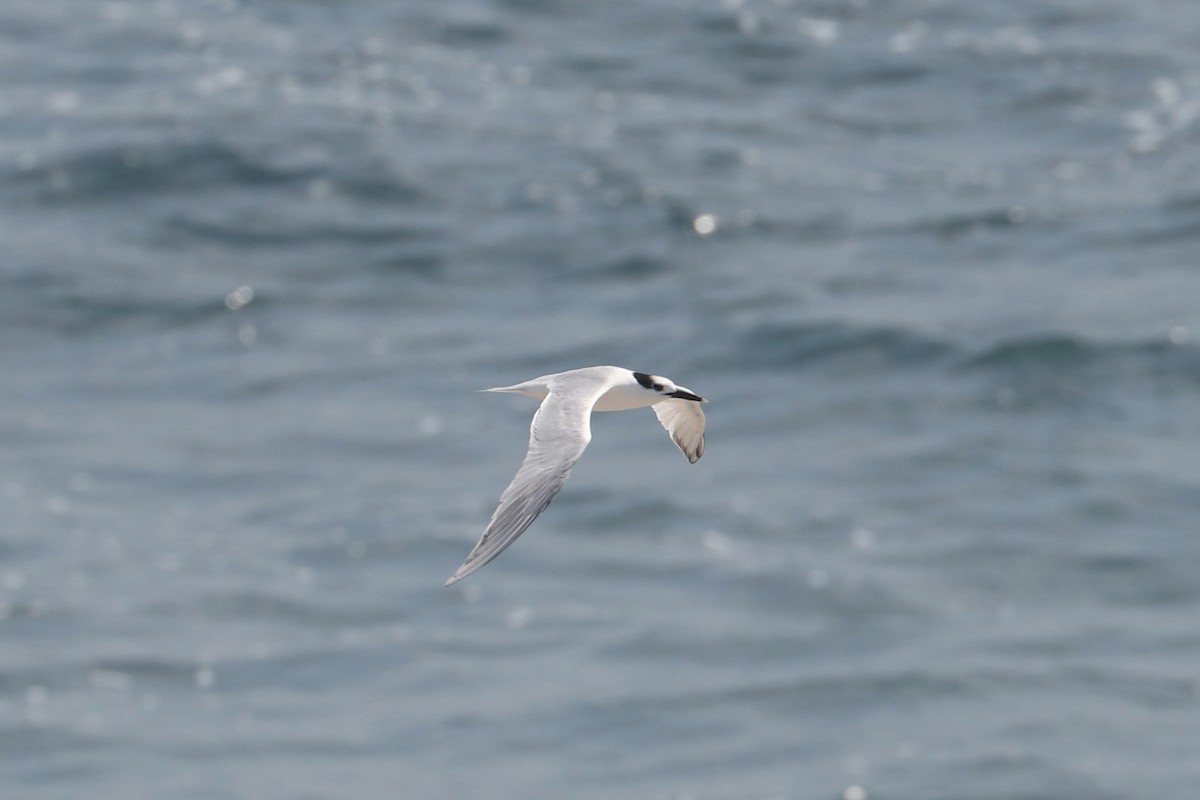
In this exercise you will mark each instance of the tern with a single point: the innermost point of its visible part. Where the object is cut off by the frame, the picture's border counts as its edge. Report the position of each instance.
(560, 432)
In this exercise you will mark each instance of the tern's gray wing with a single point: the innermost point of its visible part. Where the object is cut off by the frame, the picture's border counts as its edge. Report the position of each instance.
(560, 432)
(684, 420)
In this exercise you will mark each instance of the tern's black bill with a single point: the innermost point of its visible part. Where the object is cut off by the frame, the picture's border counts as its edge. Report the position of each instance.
(682, 395)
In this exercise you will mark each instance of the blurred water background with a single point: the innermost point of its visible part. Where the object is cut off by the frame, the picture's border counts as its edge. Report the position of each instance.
(935, 265)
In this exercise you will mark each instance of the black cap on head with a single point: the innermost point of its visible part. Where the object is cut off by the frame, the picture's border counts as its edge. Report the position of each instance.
(644, 379)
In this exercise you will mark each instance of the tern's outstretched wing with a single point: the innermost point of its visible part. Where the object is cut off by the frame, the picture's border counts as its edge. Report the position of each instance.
(684, 420)
(559, 434)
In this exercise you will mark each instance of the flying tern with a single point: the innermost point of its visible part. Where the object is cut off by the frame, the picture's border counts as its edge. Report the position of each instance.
(560, 432)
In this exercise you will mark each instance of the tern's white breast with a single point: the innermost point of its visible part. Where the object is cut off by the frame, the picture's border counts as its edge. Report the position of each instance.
(623, 398)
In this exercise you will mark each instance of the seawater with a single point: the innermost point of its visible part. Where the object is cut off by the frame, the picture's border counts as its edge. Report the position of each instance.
(934, 265)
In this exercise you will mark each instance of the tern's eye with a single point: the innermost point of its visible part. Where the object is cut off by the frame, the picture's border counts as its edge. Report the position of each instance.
(656, 386)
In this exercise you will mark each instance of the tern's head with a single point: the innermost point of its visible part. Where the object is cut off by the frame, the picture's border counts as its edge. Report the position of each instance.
(664, 386)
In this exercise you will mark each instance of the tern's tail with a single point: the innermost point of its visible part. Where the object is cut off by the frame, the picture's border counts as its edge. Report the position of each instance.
(534, 389)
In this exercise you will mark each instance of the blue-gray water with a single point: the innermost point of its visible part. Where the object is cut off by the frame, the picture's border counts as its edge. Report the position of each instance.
(936, 265)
